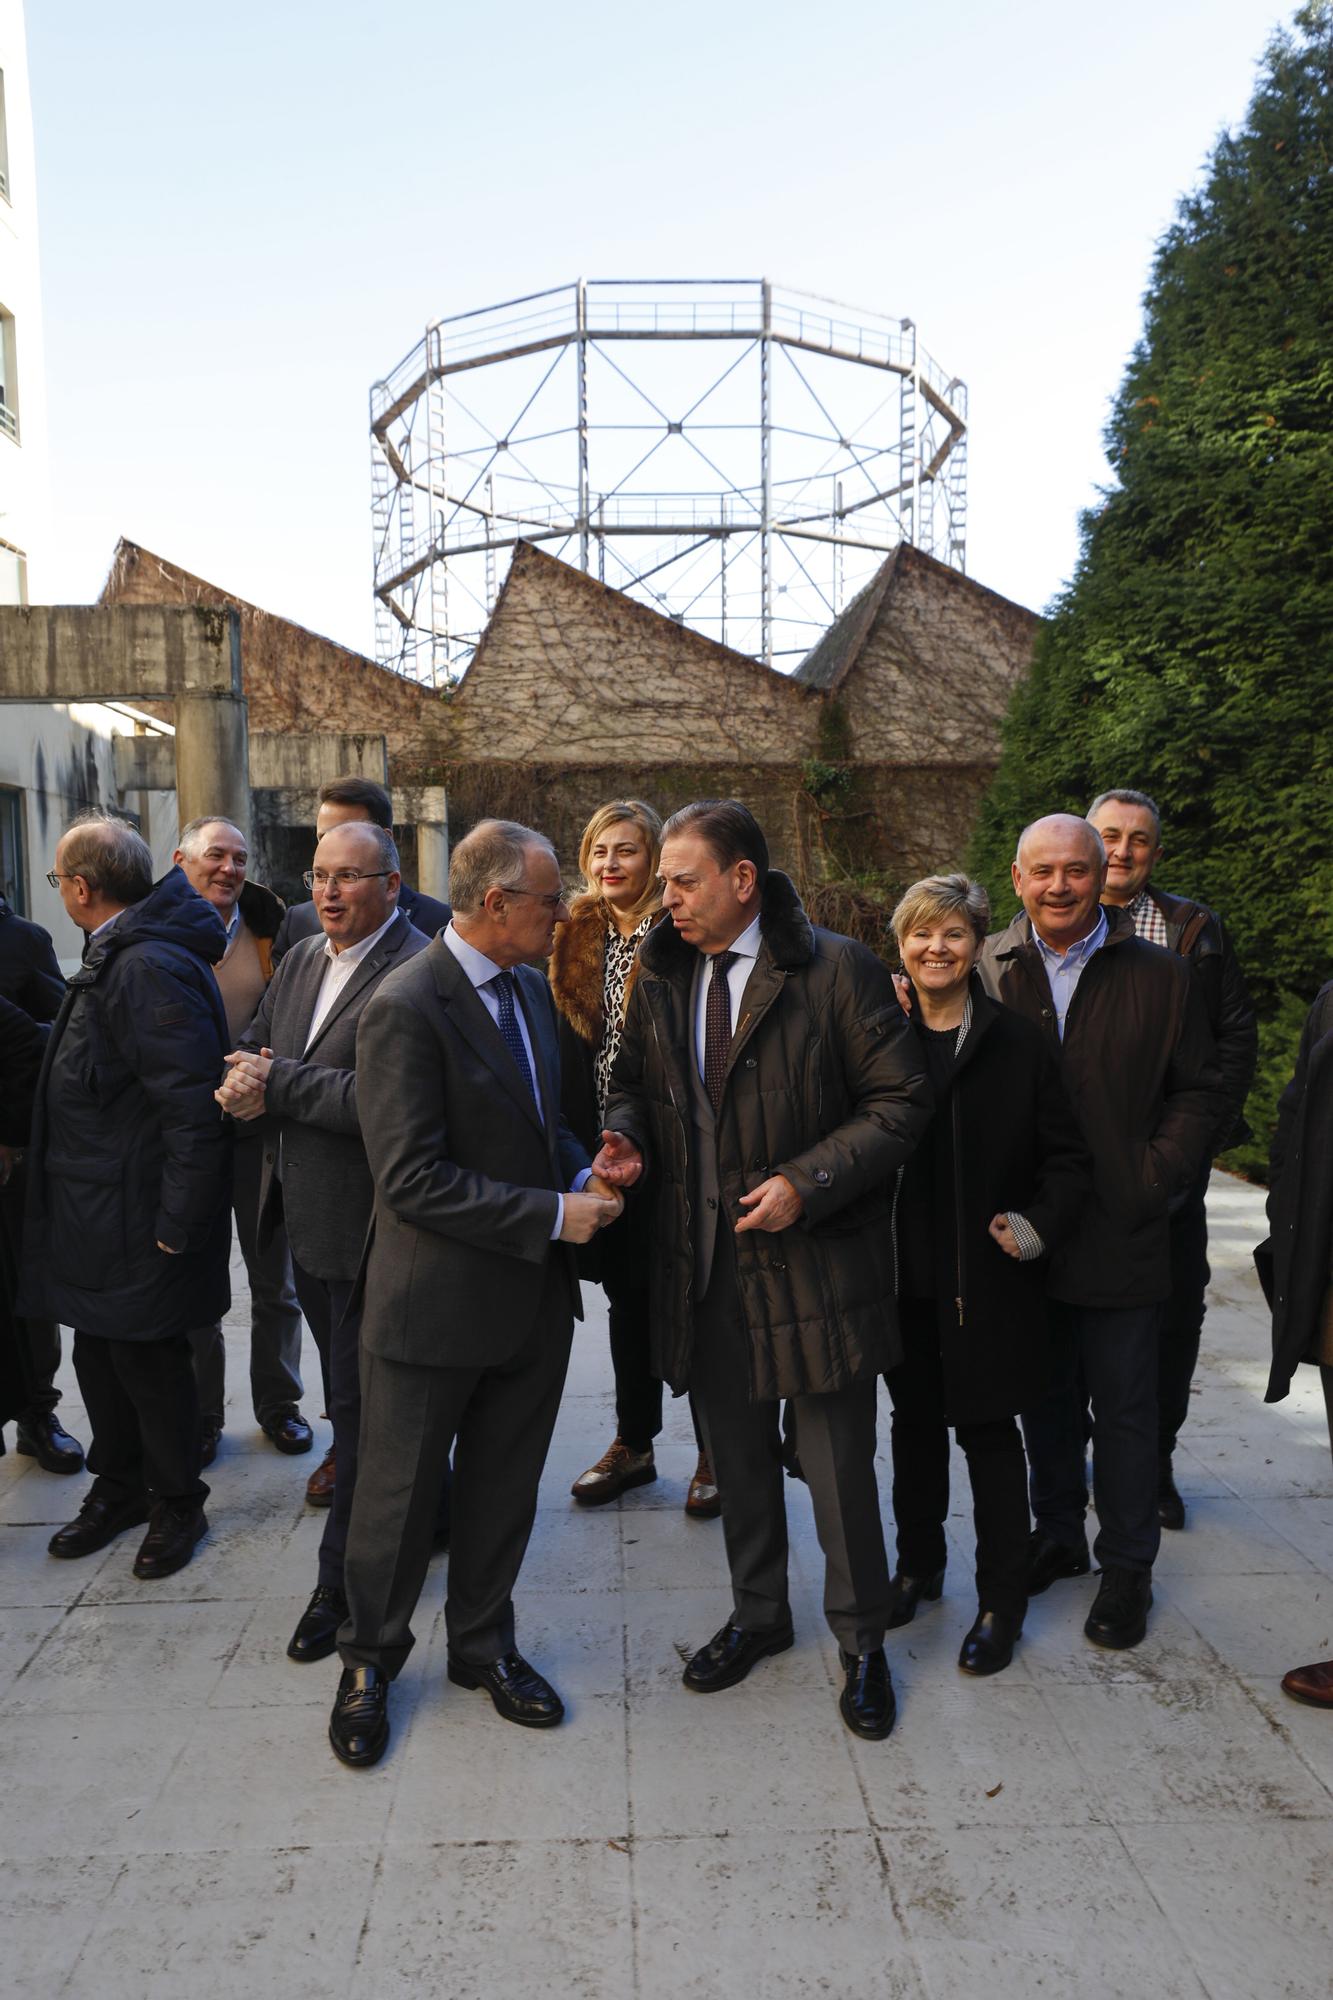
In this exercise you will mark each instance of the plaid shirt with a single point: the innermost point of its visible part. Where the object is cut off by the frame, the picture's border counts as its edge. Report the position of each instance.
(1149, 922)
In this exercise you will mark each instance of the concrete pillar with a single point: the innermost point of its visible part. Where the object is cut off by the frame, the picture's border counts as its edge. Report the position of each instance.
(433, 860)
(213, 758)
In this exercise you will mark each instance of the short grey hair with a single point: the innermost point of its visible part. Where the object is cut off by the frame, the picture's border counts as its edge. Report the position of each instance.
(939, 896)
(493, 856)
(380, 838)
(1127, 798)
(191, 834)
(112, 856)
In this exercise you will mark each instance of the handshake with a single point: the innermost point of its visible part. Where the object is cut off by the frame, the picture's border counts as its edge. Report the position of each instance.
(618, 1164)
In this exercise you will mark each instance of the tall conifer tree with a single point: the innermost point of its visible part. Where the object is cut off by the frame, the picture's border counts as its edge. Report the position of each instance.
(1192, 655)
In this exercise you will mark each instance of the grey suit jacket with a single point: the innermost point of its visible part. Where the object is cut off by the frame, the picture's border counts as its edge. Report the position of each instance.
(466, 1169)
(326, 1192)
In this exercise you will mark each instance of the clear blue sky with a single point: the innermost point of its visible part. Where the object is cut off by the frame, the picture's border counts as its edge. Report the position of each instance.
(249, 213)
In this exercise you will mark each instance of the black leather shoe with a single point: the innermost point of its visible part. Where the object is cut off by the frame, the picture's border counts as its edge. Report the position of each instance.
(1119, 1614)
(1049, 1560)
(210, 1437)
(174, 1532)
(906, 1592)
(98, 1522)
(1170, 1506)
(359, 1724)
(729, 1656)
(41, 1437)
(316, 1633)
(288, 1430)
(866, 1703)
(519, 1692)
(989, 1646)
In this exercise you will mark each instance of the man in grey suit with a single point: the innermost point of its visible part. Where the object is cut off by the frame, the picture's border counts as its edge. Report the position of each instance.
(297, 1063)
(470, 1283)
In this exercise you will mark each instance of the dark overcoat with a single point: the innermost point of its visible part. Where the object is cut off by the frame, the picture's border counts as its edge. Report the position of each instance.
(824, 1084)
(129, 1148)
(22, 1042)
(1295, 1264)
(1003, 1140)
(30, 973)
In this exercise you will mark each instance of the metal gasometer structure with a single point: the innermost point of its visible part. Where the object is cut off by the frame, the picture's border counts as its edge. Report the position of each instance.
(739, 456)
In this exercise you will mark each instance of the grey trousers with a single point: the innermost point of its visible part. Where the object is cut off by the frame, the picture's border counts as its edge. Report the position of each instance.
(275, 1316)
(501, 1419)
(837, 1445)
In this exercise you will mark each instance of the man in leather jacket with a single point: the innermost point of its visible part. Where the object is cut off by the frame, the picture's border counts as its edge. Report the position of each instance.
(1131, 830)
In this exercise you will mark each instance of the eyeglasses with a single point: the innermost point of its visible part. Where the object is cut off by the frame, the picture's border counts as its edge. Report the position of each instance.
(55, 879)
(342, 878)
(551, 902)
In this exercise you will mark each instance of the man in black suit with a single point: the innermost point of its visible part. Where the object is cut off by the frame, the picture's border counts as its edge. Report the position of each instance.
(470, 1283)
(342, 801)
(297, 1064)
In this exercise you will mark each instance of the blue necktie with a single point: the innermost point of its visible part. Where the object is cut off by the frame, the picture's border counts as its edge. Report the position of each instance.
(503, 983)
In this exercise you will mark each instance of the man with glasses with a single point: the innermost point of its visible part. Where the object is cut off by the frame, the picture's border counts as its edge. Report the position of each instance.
(295, 1070)
(470, 1283)
(341, 801)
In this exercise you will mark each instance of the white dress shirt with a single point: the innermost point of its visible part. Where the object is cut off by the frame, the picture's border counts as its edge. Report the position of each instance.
(483, 972)
(746, 950)
(337, 971)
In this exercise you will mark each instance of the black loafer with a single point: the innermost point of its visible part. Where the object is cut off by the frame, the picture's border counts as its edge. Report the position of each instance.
(989, 1646)
(867, 1703)
(98, 1522)
(173, 1535)
(1170, 1506)
(1119, 1614)
(1049, 1560)
(289, 1431)
(359, 1724)
(316, 1633)
(519, 1692)
(906, 1592)
(41, 1437)
(729, 1656)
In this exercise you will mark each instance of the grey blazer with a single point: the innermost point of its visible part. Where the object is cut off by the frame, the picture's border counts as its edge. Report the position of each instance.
(466, 1170)
(326, 1192)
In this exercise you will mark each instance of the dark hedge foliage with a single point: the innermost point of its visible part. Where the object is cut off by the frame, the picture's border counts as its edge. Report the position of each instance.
(1192, 655)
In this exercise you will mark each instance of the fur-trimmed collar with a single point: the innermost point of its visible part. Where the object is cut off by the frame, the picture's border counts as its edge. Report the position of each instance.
(578, 965)
(783, 926)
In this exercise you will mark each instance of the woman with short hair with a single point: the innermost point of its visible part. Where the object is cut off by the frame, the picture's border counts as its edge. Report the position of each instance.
(592, 972)
(995, 1184)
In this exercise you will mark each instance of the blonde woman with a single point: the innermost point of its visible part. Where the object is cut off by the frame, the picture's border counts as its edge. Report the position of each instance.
(592, 972)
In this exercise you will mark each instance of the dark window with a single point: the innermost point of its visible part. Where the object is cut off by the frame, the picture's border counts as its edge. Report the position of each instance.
(13, 875)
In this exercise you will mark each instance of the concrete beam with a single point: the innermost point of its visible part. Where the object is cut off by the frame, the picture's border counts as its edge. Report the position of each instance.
(123, 652)
(145, 763)
(287, 763)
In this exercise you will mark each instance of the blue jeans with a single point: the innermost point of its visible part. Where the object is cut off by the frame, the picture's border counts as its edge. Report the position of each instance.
(1107, 1356)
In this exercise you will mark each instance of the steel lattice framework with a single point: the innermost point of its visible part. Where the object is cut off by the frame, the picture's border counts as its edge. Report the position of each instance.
(740, 456)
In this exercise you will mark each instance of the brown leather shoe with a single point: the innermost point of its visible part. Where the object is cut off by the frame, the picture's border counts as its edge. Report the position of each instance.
(319, 1486)
(615, 1472)
(703, 1502)
(1313, 1684)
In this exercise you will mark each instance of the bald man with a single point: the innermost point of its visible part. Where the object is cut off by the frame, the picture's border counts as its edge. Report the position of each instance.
(1138, 1060)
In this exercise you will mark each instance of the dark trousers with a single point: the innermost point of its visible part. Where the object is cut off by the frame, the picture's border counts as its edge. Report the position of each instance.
(743, 1440)
(38, 1339)
(275, 1316)
(1108, 1356)
(1182, 1315)
(143, 1409)
(337, 1330)
(638, 1390)
(996, 1467)
(501, 1419)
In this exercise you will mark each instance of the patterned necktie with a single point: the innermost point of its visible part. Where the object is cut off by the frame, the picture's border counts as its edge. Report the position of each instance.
(503, 983)
(717, 1028)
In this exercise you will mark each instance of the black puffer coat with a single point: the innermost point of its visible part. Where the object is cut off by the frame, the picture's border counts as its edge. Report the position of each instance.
(128, 1146)
(1003, 1140)
(824, 1084)
(1295, 1264)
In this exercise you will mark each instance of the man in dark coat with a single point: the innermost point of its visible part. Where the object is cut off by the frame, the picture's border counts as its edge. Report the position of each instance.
(340, 801)
(470, 1284)
(1138, 1062)
(30, 978)
(295, 1070)
(1131, 830)
(769, 1087)
(128, 1226)
(22, 1045)
(1296, 1264)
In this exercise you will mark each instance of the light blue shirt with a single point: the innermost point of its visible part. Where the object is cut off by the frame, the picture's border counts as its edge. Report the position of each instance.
(746, 950)
(483, 972)
(1064, 969)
